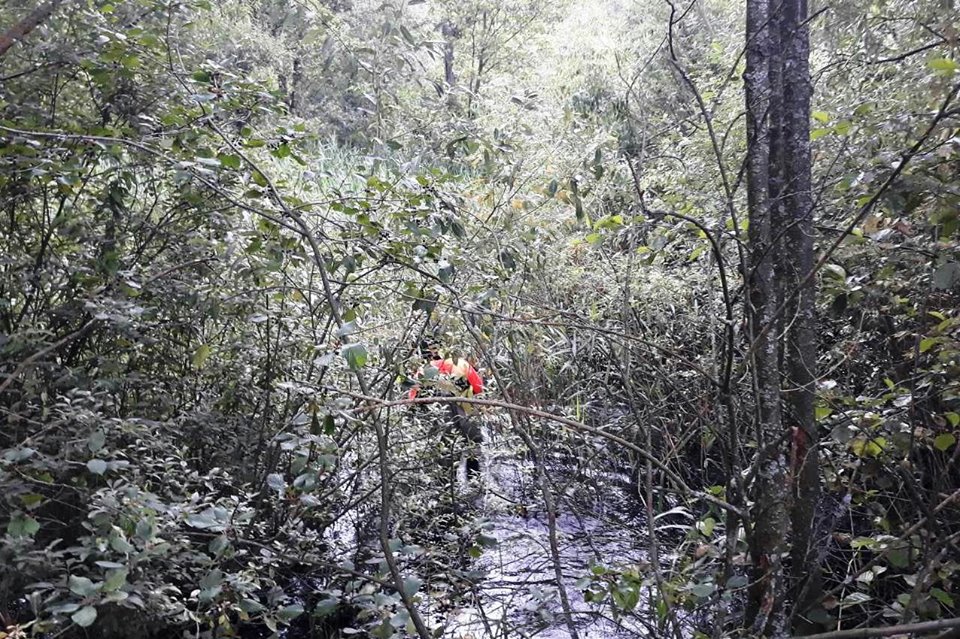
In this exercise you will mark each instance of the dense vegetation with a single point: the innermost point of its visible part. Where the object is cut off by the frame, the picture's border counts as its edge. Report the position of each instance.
(709, 248)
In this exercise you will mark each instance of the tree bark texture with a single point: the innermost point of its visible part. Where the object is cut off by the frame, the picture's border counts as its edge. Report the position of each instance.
(769, 514)
(800, 336)
(781, 234)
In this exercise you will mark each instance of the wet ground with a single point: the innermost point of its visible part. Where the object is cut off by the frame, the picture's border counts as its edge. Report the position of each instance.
(515, 592)
(517, 596)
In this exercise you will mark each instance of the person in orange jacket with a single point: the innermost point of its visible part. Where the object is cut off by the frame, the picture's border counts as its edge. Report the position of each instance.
(461, 373)
(454, 378)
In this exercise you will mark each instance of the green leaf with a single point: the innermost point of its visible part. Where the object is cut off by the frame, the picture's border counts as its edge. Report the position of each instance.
(411, 585)
(946, 276)
(259, 179)
(97, 466)
(703, 590)
(289, 613)
(737, 581)
(836, 271)
(821, 116)
(868, 448)
(276, 482)
(96, 441)
(22, 526)
(355, 354)
(325, 607)
(230, 161)
(212, 579)
(942, 66)
(209, 594)
(942, 596)
(81, 586)
(250, 606)
(115, 579)
(200, 355)
(218, 544)
(121, 545)
(899, 557)
(85, 616)
(383, 631)
(816, 134)
(855, 598)
(306, 481)
(30, 500)
(487, 541)
(626, 598)
(944, 441)
(19, 454)
(953, 418)
(348, 328)
(706, 526)
(145, 529)
(927, 343)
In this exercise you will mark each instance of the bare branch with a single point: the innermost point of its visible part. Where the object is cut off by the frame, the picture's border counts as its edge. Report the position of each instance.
(886, 631)
(20, 30)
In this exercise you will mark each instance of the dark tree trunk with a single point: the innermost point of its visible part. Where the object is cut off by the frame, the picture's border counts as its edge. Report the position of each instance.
(777, 84)
(801, 346)
(450, 33)
(296, 79)
(769, 513)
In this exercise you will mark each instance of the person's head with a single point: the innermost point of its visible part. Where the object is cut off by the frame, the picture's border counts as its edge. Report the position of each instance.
(429, 349)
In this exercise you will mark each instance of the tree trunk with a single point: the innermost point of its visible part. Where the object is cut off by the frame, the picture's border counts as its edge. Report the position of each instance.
(801, 345)
(769, 513)
(780, 203)
(296, 79)
(449, 32)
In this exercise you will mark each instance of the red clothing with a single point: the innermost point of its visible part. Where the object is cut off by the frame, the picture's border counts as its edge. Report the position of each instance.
(462, 369)
(476, 382)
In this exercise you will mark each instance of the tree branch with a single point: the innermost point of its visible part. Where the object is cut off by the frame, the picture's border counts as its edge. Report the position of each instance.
(886, 631)
(18, 31)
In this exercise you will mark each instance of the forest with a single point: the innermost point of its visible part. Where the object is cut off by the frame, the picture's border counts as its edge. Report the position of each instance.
(474, 319)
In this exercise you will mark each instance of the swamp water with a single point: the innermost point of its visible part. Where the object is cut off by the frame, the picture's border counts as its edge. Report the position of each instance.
(597, 522)
(514, 592)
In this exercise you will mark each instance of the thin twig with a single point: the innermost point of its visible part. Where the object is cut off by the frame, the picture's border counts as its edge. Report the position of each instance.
(886, 631)
(25, 364)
